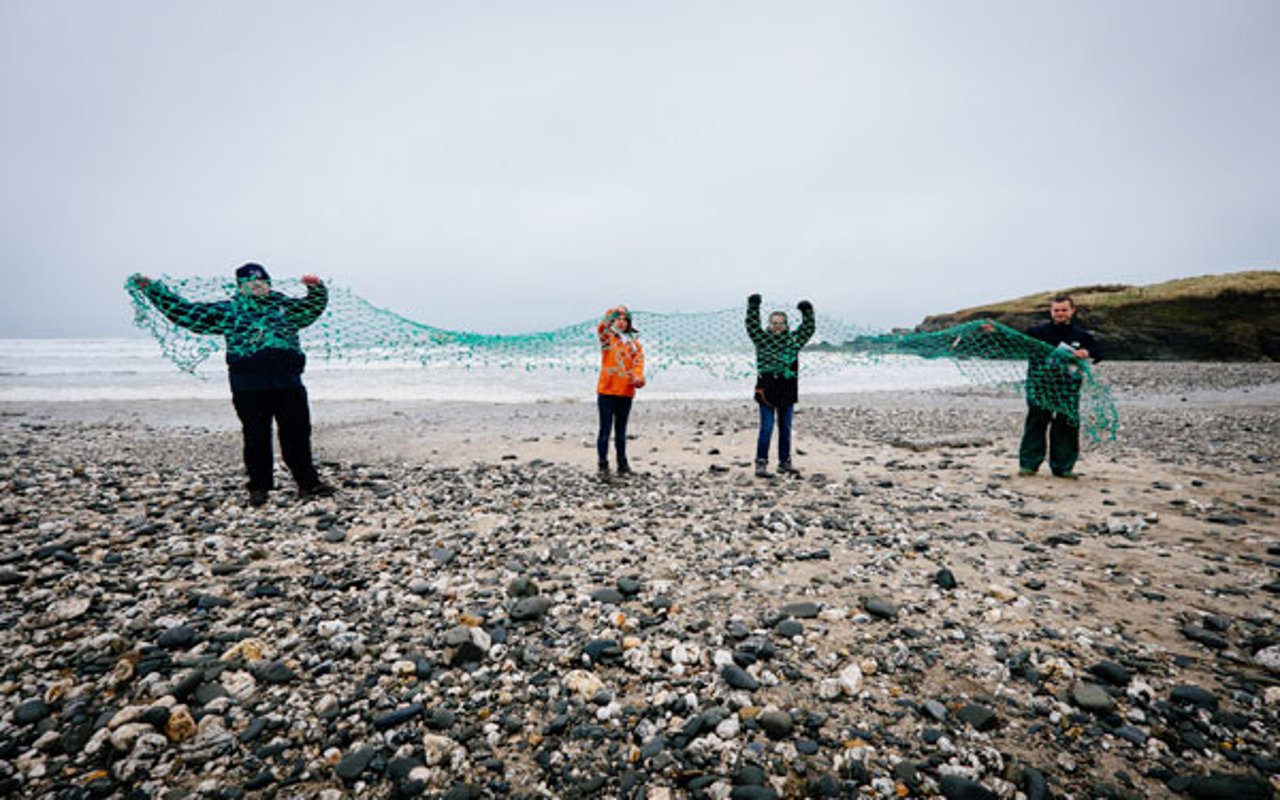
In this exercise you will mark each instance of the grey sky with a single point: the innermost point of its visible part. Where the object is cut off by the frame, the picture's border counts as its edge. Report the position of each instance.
(516, 166)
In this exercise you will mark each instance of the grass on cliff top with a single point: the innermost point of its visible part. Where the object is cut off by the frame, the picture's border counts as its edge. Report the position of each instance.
(1102, 296)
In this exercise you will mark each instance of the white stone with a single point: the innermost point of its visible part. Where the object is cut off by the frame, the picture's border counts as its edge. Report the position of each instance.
(239, 684)
(1268, 658)
(126, 715)
(70, 608)
(684, 654)
(420, 775)
(830, 689)
(31, 764)
(1140, 690)
(728, 728)
(638, 659)
(354, 642)
(142, 757)
(124, 737)
(99, 738)
(851, 679)
(331, 627)
(217, 705)
(326, 704)
(582, 683)
(437, 749)
(1271, 696)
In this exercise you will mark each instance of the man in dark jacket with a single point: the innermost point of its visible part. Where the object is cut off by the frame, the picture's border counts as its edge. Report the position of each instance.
(777, 377)
(1056, 375)
(265, 364)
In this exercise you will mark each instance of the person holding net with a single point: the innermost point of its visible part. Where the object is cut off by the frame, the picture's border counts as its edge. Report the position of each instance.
(777, 377)
(264, 363)
(621, 373)
(1055, 377)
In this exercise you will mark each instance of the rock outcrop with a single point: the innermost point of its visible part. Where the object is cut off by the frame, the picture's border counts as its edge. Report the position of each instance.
(1232, 317)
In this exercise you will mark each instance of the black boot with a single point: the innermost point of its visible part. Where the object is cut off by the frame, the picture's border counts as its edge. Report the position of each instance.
(624, 467)
(602, 471)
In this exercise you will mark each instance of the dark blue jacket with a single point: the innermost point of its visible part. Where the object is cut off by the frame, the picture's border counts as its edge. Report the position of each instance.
(263, 350)
(1071, 333)
(1048, 375)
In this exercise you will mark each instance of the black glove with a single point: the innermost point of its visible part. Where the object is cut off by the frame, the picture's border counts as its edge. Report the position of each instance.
(754, 300)
(805, 306)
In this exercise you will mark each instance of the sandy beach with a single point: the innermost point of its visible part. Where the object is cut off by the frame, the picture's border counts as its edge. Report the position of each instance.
(474, 615)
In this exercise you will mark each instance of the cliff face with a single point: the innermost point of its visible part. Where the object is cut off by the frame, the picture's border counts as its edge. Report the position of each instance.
(1233, 317)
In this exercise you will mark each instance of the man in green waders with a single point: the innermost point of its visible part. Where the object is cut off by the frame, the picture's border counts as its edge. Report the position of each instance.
(1057, 376)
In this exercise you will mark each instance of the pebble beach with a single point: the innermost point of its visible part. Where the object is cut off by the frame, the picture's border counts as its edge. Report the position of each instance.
(475, 615)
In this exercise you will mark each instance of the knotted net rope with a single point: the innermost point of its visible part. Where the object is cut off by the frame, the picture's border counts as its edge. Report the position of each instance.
(195, 318)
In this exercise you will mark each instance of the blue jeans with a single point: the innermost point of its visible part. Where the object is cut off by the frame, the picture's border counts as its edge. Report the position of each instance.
(614, 411)
(767, 415)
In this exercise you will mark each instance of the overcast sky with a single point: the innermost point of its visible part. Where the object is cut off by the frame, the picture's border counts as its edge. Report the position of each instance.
(511, 166)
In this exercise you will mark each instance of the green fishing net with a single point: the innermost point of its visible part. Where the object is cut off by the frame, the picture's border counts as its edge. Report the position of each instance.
(195, 318)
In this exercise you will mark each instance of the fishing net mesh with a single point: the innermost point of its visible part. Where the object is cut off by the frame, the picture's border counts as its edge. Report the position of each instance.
(195, 318)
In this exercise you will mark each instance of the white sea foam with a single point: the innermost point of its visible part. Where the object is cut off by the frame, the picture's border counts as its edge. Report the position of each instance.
(55, 370)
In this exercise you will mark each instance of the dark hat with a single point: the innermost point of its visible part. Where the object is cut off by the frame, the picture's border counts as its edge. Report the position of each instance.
(252, 272)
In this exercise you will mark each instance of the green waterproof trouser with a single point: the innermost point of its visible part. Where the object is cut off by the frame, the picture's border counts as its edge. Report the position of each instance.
(1064, 441)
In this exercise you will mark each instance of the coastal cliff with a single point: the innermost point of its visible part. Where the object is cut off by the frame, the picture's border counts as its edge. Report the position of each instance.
(1232, 317)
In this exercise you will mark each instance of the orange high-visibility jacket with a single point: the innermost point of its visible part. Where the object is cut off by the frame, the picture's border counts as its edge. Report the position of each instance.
(621, 361)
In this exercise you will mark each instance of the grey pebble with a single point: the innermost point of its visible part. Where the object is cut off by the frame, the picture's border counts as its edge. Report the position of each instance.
(1091, 697)
(353, 764)
(738, 678)
(956, 788)
(777, 724)
(879, 608)
(934, 709)
(30, 711)
(802, 610)
(978, 716)
(607, 596)
(528, 609)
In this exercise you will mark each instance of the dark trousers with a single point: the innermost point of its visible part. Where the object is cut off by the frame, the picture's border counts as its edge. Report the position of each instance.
(614, 411)
(1064, 441)
(288, 407)
(784, 415)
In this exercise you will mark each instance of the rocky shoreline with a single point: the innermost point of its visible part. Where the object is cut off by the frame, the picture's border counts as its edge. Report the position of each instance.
(475, 616)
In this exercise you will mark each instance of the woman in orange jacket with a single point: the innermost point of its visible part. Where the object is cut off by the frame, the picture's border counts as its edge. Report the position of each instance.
(621, 373)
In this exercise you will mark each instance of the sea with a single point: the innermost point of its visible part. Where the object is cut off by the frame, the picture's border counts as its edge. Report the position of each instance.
(124, 369)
